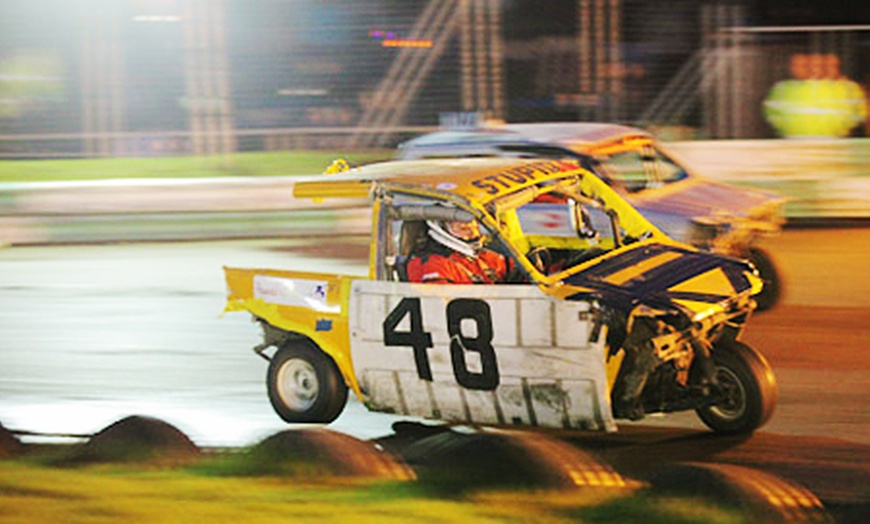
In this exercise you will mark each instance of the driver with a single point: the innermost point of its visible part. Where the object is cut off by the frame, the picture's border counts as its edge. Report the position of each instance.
(454, 254)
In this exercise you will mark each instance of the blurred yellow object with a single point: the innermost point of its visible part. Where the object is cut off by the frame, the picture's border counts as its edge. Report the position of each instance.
(817, 102)
(339, 165)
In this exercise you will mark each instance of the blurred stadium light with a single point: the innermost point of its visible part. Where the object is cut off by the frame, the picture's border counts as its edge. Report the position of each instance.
(177, 77)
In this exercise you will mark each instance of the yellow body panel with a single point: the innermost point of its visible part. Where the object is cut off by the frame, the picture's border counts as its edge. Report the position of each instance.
(324, 322)
(714, 281)
(625, 143)
(613, 363)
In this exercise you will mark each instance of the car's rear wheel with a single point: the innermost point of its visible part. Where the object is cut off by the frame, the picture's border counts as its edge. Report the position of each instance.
(746, 391)
(304, 384)
(772, 290)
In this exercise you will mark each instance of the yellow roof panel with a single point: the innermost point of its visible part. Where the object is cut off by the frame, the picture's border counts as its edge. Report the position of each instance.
(477, 179)
(629, 142)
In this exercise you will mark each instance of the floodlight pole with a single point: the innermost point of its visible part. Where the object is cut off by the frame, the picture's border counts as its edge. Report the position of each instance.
(481, 54)
(102, 81)
(206, 79)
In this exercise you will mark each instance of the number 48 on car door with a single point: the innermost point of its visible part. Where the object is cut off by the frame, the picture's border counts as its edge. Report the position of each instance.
(482, 354)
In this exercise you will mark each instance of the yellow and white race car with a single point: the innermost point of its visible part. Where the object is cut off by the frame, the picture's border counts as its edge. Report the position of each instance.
(603, 316)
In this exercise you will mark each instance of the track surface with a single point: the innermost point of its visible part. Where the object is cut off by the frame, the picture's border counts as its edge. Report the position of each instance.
(91, 334)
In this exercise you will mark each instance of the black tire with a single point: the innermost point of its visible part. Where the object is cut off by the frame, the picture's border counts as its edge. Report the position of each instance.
(772, 291)
(305, 385)
(749, 387)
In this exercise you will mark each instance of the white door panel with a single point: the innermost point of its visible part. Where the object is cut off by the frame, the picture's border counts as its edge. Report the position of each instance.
(502, 354)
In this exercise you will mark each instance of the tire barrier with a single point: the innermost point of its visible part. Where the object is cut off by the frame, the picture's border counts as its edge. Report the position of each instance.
(318, 453)
(137, 439)
(758, 496)
(10, 446)
(447, 460)
(456, 460)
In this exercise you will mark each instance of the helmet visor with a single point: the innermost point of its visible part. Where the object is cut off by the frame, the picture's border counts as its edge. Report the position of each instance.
(466, 231)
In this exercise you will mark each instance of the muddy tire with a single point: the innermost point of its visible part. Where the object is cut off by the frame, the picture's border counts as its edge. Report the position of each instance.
(749, 388)
(305, 385)
(772, 290)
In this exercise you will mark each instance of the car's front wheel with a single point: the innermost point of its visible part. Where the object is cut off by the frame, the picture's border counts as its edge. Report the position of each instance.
(304, 384)
(746, 391)
(772, 290)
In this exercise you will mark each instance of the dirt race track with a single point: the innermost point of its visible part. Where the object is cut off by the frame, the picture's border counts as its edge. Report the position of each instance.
(818, 338)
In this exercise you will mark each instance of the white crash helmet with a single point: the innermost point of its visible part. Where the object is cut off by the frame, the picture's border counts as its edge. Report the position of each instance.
(440, 231)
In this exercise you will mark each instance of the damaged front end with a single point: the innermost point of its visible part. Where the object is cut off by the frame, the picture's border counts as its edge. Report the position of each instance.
(666, 356)
(669, 310)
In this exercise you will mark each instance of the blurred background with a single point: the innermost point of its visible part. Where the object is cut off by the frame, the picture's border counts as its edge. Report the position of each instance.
(220, 98)
(97, 78)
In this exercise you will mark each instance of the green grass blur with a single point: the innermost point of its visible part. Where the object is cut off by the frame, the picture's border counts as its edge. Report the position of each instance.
(278, 163)
(30, 492)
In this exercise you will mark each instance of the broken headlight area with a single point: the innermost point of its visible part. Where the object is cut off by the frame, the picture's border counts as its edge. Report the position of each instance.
(668, 364)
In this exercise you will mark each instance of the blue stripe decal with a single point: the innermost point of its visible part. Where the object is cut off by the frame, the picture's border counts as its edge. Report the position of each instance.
(613, 265)
(651, 286)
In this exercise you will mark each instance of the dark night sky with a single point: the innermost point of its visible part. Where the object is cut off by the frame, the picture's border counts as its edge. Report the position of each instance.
(813, 12)
(531, 18)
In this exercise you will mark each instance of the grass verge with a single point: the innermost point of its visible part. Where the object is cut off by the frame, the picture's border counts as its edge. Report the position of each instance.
(34, 492)
(278, 163)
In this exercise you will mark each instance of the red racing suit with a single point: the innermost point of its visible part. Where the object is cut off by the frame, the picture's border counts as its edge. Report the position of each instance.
(488, 267)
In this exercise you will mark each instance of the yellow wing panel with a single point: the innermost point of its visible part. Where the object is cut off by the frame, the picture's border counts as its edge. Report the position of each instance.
(314, 305)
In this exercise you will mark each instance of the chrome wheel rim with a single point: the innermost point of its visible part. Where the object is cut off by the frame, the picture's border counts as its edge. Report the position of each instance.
(297, 384)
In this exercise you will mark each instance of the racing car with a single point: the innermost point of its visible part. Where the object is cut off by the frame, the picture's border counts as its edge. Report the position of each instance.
(605, 319)
(719, 217)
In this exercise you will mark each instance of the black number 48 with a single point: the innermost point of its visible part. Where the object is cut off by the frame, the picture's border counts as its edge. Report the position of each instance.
(460, 345)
